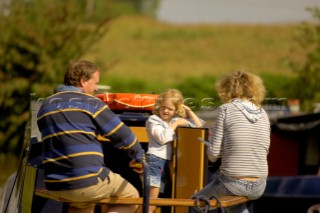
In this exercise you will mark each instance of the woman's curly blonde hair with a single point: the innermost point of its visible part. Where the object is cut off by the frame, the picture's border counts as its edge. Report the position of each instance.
(175, 96)
(241, 84)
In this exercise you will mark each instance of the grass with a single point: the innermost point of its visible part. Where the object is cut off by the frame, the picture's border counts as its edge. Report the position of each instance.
(161, 54)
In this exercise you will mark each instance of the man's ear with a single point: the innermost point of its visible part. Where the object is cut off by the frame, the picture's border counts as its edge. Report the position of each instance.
(82, 82)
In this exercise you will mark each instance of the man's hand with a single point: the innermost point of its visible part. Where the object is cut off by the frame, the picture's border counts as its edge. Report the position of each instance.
(137, 167)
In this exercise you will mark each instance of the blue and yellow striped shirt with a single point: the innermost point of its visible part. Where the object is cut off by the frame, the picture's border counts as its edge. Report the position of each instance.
(70, 122)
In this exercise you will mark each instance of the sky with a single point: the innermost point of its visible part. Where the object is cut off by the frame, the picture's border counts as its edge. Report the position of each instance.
(235, 11)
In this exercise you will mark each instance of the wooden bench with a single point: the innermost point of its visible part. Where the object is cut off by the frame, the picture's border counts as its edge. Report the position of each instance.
(226, 201)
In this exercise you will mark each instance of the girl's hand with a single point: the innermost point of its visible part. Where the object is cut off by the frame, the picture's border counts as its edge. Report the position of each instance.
(192, 116)
(186, 108)
(179, 122)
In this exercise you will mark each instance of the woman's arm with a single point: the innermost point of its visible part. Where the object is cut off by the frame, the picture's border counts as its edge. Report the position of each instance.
(216, 133)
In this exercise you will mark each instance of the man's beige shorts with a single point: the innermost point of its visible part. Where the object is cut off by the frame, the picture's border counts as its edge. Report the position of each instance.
(113, 186)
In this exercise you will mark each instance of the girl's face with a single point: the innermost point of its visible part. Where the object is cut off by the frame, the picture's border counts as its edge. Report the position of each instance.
(167, 110)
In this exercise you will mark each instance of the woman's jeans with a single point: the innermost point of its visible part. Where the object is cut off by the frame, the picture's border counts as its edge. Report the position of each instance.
(223, 185)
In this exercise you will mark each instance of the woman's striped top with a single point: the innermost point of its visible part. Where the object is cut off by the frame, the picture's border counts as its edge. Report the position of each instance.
(241, 137)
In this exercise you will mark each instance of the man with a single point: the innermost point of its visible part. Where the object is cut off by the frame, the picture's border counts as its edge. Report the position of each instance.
(70, 122)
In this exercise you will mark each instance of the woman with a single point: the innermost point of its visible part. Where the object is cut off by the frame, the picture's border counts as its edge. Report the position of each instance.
(241, 138)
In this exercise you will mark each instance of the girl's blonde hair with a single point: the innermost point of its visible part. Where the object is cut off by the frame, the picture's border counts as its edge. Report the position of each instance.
(241, 84)
(176, 98)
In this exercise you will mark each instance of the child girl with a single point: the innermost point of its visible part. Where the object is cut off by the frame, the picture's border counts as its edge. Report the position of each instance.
(168, 114)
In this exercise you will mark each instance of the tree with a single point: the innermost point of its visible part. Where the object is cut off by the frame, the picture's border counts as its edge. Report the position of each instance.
(38, 39)
(307, 84)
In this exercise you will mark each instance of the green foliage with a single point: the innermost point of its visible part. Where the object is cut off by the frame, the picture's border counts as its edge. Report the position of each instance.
(307, 85)
(40, 38)
(279, 86)
(128, 86)
(279, 90)
(199, 92)
(162, 53)
(147, 7)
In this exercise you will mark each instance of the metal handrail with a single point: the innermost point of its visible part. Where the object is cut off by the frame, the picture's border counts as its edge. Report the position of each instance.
(146, 187)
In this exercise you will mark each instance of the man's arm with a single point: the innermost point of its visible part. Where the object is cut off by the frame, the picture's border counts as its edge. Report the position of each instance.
(120, 135)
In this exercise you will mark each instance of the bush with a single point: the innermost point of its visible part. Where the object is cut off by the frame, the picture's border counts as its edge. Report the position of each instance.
(200, 93)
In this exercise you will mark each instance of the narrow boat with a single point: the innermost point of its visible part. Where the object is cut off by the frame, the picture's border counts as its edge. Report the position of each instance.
(27, 194)
(293, 184)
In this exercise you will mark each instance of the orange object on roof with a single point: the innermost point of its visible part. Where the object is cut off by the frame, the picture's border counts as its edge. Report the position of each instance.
(129, 101)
